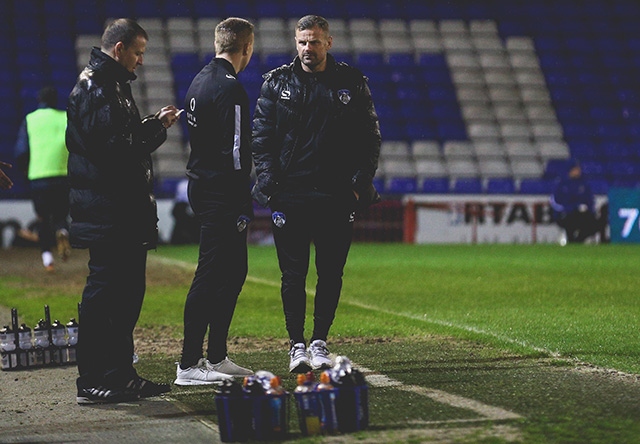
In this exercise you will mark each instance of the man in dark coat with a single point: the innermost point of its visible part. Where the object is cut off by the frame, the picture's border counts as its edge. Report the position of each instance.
(113, 211)
(316, 144)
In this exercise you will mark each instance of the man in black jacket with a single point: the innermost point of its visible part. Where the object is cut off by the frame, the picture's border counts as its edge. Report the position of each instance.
(113, 211)
(316, 143)
(219, 169)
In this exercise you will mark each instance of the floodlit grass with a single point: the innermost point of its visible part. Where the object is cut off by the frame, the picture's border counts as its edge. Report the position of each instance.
(575, 301)
(499, 324)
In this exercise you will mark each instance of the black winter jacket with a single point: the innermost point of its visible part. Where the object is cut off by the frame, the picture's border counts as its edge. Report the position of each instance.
(315, 132)
(110, 170)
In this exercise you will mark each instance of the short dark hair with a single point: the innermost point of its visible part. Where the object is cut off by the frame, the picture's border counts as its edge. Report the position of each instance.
(49, 96)
(123, 30)
(231, 35)
(311, 21)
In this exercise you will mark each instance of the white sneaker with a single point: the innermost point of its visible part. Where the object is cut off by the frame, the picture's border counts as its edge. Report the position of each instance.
(200, 374)
(227, 367)
(299, 360)
(319, 355)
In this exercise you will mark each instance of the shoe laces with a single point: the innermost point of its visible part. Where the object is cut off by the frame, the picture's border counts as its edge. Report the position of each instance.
(297, 351)
(319, 350)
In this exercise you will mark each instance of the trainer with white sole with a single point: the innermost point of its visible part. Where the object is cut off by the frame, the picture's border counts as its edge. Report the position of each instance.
(201, 373)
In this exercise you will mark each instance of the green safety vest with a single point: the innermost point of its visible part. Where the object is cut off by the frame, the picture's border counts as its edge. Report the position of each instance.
(48, 153)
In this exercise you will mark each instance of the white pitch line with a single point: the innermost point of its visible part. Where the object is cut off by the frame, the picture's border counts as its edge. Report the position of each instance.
(485, 410)
(480, 331)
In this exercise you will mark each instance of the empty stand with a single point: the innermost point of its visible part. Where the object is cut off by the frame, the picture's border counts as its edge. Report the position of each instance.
(462, 90)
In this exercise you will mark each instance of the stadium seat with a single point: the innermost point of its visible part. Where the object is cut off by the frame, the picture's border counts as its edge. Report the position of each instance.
(500, 185)
(435, 185)
(467, 185)
(536, 186)
(401, 185)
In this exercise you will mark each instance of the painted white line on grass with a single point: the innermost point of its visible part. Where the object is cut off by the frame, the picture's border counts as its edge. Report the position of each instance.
(468, 328)
(484, 410)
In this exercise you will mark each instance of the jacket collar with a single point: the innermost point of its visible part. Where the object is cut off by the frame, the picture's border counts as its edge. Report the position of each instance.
(101, 61)
(297, 66)
(225, 64)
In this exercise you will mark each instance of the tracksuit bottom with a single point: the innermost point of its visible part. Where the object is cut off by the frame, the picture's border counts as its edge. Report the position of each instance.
(219, 277)
(51, 204)
(110, 307)
(328, 224)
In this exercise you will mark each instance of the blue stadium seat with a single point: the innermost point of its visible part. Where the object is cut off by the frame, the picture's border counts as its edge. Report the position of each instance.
(467, 185)
(599, 186)
(620, 151)
(274, 60)
(500, 185)
(435, 185)
(207, 8)
(623, 172)
(593, 169)
(536, 186)
(585, 150)
(557, 168)
(401, 185)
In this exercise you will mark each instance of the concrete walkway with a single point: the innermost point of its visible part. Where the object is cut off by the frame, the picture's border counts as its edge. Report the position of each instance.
(39, 405)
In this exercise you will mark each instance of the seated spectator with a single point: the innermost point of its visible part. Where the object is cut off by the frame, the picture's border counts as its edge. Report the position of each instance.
(573, 206)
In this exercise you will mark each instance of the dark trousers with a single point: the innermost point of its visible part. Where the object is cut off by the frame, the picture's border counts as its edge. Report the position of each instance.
(579, 225)
(329, 226)
(219, 277)
(51, 204)
(111, 304)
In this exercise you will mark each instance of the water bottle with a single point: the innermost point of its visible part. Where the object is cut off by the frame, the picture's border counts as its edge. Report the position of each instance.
(59, 340)
(279, 219)
(7, 339)
(26, 357)
(41, 341)
(352, 404)
(72, 341)
(277, 408)
(308, 410)
(7, 348)
(327, 396)
(243, 223)
(234, 418)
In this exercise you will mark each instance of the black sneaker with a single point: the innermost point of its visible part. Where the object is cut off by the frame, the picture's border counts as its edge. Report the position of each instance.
(104, 395)
(148, 389)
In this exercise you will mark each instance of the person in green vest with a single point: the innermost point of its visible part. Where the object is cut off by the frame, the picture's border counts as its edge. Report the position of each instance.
(41, 153)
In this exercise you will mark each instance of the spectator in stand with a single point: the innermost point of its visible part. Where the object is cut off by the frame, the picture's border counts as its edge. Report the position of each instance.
(573, 206)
